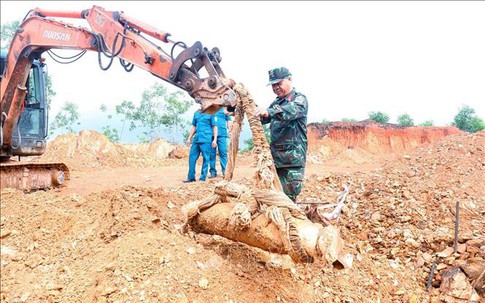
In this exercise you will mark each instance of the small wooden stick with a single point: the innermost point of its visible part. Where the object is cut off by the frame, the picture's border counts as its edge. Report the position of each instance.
(457, 223)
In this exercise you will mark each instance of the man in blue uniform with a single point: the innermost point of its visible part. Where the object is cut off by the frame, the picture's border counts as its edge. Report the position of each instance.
(224, 123)
(287, 116)
(204, 129)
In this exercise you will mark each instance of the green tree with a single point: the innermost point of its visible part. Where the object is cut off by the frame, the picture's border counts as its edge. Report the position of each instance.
(351, 120)
(466, 120)
(110, 132)
(249, 145)
(379, 117)
(7, 32)
(185, 135)
(158, 112)
(66, 118)
(325, 121)
(427, 123)
(405, 120)
(125, 109)
(49, 91)
(250, 142)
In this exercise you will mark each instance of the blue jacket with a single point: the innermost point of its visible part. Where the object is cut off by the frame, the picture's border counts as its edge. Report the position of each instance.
(203, 127)
(222, 119)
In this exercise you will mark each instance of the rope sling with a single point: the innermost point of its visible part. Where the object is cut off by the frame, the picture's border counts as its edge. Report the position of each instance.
(266, 199)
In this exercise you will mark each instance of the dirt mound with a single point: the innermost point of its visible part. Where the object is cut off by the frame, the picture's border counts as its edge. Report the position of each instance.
(180, 152)
(158, 148)
(360, 141)
(405, 211)
(89, 149)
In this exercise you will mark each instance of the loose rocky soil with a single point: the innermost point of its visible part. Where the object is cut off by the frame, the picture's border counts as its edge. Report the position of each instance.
(112, 234)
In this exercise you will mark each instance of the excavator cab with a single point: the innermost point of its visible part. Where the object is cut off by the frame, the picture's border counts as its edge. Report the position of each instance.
(30, 131)
(29, 138)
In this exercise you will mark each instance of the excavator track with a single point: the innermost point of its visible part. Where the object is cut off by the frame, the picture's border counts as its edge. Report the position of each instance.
(33, 176)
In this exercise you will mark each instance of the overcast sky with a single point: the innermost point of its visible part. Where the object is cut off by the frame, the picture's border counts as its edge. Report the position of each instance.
(426, 59)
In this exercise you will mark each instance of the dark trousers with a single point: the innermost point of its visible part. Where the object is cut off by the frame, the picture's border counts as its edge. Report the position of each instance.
(291, 179)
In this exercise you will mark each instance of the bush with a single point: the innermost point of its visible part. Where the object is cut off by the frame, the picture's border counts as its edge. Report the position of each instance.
(466, 120)
(379, 117)
(427, 123)
(405, 120)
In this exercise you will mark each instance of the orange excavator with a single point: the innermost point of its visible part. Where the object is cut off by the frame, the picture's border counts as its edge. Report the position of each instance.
(23, 109)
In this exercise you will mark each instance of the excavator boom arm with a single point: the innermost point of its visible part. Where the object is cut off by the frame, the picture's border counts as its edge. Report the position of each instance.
(114, 35)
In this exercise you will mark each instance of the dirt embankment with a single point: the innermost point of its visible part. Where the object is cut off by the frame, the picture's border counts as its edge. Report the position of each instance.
(355, 142)
(377, 138)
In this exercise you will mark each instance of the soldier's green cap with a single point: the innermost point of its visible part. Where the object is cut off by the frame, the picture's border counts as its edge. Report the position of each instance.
(278, 74)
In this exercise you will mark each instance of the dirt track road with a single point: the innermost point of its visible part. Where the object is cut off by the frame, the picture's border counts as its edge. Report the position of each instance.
(84, 182)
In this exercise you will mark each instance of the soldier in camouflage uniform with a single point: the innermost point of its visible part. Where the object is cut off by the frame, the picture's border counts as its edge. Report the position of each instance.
(287, 116)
